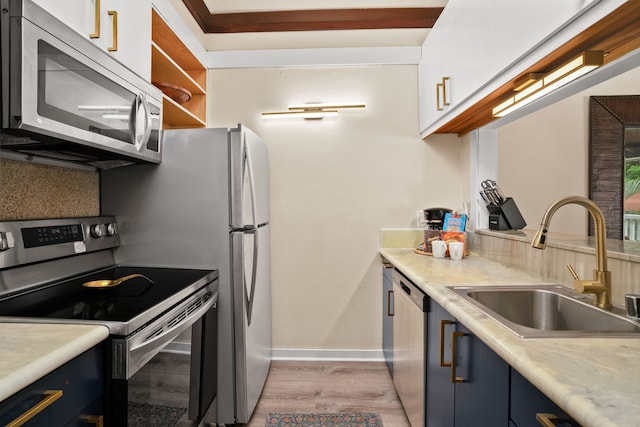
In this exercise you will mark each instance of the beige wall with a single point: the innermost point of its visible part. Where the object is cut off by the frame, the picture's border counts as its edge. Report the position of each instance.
(544, 156)
(334, 184)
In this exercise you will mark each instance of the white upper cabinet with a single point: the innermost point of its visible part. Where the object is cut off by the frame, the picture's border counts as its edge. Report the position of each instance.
(121, 27)
(474, 42)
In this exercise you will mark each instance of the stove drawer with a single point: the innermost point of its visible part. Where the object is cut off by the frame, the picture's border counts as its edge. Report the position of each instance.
(81, 383)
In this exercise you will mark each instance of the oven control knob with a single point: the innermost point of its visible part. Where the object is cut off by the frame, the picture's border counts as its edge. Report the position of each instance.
(96, 230)
(110, 229)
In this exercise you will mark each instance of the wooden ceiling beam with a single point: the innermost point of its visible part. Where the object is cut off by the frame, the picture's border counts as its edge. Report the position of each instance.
(312, 20)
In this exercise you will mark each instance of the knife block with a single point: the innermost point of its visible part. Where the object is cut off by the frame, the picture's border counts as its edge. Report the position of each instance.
(505, 216)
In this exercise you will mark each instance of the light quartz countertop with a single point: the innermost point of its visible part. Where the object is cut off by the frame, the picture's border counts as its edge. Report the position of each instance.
(595, 380)
(29, 351)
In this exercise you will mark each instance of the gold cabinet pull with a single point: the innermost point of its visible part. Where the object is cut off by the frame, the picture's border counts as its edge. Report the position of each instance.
(389, 312)
(551, 420)
(445, 101)
(546, 420)
(443, 323)
(439, 88)
(454, 378)
(114, 34)
(48, 397)
(96, 30)
(96, 420)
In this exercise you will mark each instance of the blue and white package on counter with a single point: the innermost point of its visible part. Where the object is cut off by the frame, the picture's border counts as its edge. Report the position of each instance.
(454, 222)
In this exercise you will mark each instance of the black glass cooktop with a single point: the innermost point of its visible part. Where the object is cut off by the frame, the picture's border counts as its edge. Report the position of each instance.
(69, 299)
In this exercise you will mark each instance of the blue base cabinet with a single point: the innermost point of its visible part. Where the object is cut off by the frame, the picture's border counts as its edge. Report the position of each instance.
(74, 391)
(440, 391)
(467, 383)
(526, 401)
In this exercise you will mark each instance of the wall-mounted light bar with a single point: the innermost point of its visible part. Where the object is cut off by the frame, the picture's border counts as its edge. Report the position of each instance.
(534, 86)
(315, 111)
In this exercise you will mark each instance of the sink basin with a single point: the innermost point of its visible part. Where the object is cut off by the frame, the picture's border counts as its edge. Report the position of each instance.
(551, 311)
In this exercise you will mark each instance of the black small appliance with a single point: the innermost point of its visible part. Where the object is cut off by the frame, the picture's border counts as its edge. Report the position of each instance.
(434, 217)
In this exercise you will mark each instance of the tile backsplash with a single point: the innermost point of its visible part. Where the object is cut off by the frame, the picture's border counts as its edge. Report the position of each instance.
(401, 237)
(34, 191)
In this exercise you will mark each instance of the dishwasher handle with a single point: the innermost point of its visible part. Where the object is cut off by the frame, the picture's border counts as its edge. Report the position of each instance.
(405, 288)
(415, 294)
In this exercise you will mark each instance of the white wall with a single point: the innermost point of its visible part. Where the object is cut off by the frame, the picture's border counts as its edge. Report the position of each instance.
(334, 184)
(544, 156)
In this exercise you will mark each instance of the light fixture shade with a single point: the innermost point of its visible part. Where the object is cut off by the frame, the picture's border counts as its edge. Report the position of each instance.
(308, 115)
(315, 111)
(530, 89)
(526, 81)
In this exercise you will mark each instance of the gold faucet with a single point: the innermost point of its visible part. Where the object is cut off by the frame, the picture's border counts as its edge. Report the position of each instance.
(601, 283)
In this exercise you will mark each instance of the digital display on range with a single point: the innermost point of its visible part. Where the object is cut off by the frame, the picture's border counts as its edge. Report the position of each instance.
(44, 236)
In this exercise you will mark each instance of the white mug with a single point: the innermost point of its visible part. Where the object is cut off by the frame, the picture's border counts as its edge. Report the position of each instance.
(456, 250)
(438, 248)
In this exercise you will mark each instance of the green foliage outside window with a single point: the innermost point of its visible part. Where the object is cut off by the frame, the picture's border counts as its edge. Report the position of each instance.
(631, 179)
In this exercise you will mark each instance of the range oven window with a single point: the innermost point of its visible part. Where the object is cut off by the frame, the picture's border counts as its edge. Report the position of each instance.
(75, 94)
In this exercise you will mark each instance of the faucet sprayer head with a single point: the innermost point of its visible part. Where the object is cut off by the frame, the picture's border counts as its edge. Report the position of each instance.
(540, 237)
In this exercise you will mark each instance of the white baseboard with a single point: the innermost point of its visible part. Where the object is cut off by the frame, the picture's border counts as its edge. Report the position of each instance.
(318, 354)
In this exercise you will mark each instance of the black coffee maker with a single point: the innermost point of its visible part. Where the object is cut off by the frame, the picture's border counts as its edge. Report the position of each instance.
(434, 217)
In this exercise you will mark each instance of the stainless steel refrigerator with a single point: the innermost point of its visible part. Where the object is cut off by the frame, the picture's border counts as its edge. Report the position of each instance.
(207, 206)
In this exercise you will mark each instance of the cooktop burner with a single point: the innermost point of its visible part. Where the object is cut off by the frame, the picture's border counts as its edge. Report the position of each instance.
(69, 299)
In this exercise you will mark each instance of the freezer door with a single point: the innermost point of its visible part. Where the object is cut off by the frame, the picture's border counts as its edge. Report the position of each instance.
(249, 158)
(175, 214)
(252, 307)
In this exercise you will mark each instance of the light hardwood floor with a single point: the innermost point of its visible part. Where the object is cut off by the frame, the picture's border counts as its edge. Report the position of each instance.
(295, 386)
(292, 386)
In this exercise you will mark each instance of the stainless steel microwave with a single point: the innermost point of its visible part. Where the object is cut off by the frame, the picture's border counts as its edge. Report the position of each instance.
(67, 100)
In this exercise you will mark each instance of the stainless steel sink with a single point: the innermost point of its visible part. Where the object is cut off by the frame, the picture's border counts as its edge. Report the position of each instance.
(551, 311)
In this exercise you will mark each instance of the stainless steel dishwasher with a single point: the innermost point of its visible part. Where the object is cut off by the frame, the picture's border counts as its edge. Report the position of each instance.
(409, 347)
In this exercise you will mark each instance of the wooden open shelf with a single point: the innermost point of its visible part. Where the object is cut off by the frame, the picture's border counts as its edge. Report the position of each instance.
(172, 62)
(175, 116)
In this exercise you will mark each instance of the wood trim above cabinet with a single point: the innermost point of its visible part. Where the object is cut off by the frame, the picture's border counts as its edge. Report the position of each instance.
(617, 34)
(312, 20)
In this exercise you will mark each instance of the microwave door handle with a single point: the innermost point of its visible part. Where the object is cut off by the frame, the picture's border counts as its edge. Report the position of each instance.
(133, 119)
(148, 123)
(139, 136)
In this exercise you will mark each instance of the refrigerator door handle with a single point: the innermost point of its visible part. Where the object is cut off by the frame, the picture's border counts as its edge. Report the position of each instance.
(252, 183)
(249, 295)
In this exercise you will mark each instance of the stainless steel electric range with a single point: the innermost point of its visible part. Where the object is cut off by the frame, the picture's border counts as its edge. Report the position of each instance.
(63, 271)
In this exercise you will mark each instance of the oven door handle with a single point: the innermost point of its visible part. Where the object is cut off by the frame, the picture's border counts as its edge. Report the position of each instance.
(144, 346)
(172, 332)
